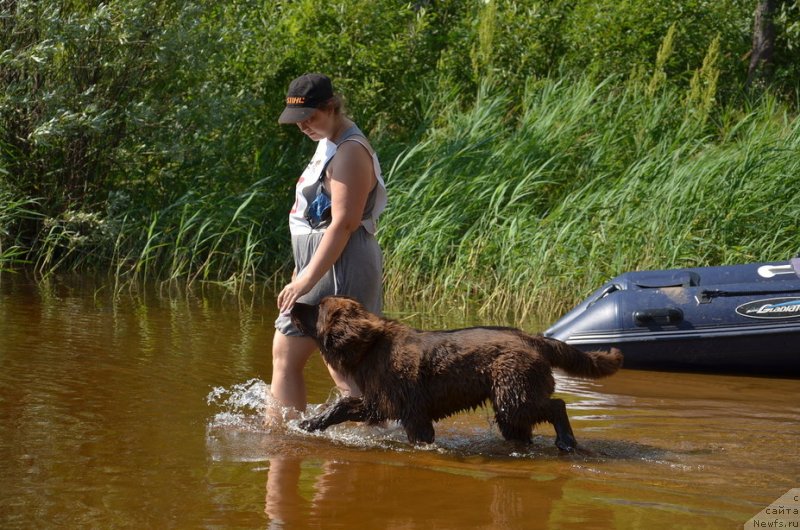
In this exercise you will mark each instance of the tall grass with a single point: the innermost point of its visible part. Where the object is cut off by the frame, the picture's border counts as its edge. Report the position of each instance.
(511, 208)
(529, 210)
(227, 239)
(13, 212)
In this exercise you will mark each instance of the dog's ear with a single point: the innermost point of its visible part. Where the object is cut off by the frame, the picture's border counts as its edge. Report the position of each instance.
(351, 334)
(349, 331)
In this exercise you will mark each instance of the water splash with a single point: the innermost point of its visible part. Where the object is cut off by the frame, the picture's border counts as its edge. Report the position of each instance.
(249, 424)
(242, 406)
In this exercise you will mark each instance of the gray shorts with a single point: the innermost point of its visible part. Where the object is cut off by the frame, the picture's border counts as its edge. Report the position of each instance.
(357, 273)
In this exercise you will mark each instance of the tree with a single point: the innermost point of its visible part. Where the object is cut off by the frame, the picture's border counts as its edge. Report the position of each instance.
(761, 63)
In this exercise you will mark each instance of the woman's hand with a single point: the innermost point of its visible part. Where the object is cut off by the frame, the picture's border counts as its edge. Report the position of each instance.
(289, 294)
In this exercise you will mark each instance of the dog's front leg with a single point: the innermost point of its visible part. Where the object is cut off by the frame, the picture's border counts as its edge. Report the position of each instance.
(346, 409)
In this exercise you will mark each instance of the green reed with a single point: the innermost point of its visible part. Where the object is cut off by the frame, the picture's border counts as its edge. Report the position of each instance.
(506, 207)
(217, 238)
(13, 212)
(526, 208)
(227, 239)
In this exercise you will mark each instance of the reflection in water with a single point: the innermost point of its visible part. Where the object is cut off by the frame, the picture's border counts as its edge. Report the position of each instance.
(146, 409)
(315, 480)
(337, 488)
(284, 503)
(623, 475)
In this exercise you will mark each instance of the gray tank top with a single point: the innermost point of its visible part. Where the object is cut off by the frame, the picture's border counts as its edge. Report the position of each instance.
(306, 191)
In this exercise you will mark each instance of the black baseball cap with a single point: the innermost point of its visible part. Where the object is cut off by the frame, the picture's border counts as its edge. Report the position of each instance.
(306, 93)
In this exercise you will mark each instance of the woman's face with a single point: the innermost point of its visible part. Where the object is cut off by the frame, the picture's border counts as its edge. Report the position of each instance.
(316, 126)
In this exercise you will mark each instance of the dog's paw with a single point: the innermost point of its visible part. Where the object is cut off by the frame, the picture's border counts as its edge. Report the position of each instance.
(308, 425)
(566, 446)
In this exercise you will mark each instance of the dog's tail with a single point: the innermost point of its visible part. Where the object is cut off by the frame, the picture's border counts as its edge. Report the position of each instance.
(593, 364)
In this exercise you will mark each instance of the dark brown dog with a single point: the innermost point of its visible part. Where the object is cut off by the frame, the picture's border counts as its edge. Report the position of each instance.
(418, 377)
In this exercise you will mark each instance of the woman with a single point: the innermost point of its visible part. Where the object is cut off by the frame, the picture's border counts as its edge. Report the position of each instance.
(338, 199)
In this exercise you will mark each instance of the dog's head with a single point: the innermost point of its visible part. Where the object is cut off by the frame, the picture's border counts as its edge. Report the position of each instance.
(342, 327)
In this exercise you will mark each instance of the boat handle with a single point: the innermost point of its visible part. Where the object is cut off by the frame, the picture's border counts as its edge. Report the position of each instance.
(664, 315)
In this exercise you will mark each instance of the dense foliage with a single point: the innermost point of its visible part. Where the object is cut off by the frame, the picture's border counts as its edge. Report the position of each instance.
(528, 145)
(585, 182)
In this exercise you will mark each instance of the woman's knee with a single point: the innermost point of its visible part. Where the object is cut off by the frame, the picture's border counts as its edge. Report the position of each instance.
(290, 354)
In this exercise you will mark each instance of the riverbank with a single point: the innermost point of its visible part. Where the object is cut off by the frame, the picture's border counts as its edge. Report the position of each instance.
(497, 208)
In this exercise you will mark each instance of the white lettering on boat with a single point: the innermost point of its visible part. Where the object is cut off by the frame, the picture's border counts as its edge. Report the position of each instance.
(771, 308)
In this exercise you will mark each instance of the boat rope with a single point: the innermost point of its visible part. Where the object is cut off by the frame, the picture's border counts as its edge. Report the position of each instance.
(706, 295)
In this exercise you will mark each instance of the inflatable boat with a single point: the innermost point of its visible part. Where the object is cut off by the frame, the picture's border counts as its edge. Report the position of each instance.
(742, 319)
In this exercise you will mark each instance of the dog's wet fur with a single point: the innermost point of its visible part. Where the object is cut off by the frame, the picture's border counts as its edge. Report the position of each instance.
(419, 377)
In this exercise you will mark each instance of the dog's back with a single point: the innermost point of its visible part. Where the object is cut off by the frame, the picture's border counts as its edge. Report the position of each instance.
(487, 340)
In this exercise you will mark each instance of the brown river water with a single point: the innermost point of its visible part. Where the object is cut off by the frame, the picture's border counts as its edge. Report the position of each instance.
(144, 410)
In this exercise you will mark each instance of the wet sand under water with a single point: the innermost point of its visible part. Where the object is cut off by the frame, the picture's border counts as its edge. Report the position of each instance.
(146, 410)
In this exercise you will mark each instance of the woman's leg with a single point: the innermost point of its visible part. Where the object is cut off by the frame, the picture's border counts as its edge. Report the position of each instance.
(289, 357)
(346, 385)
